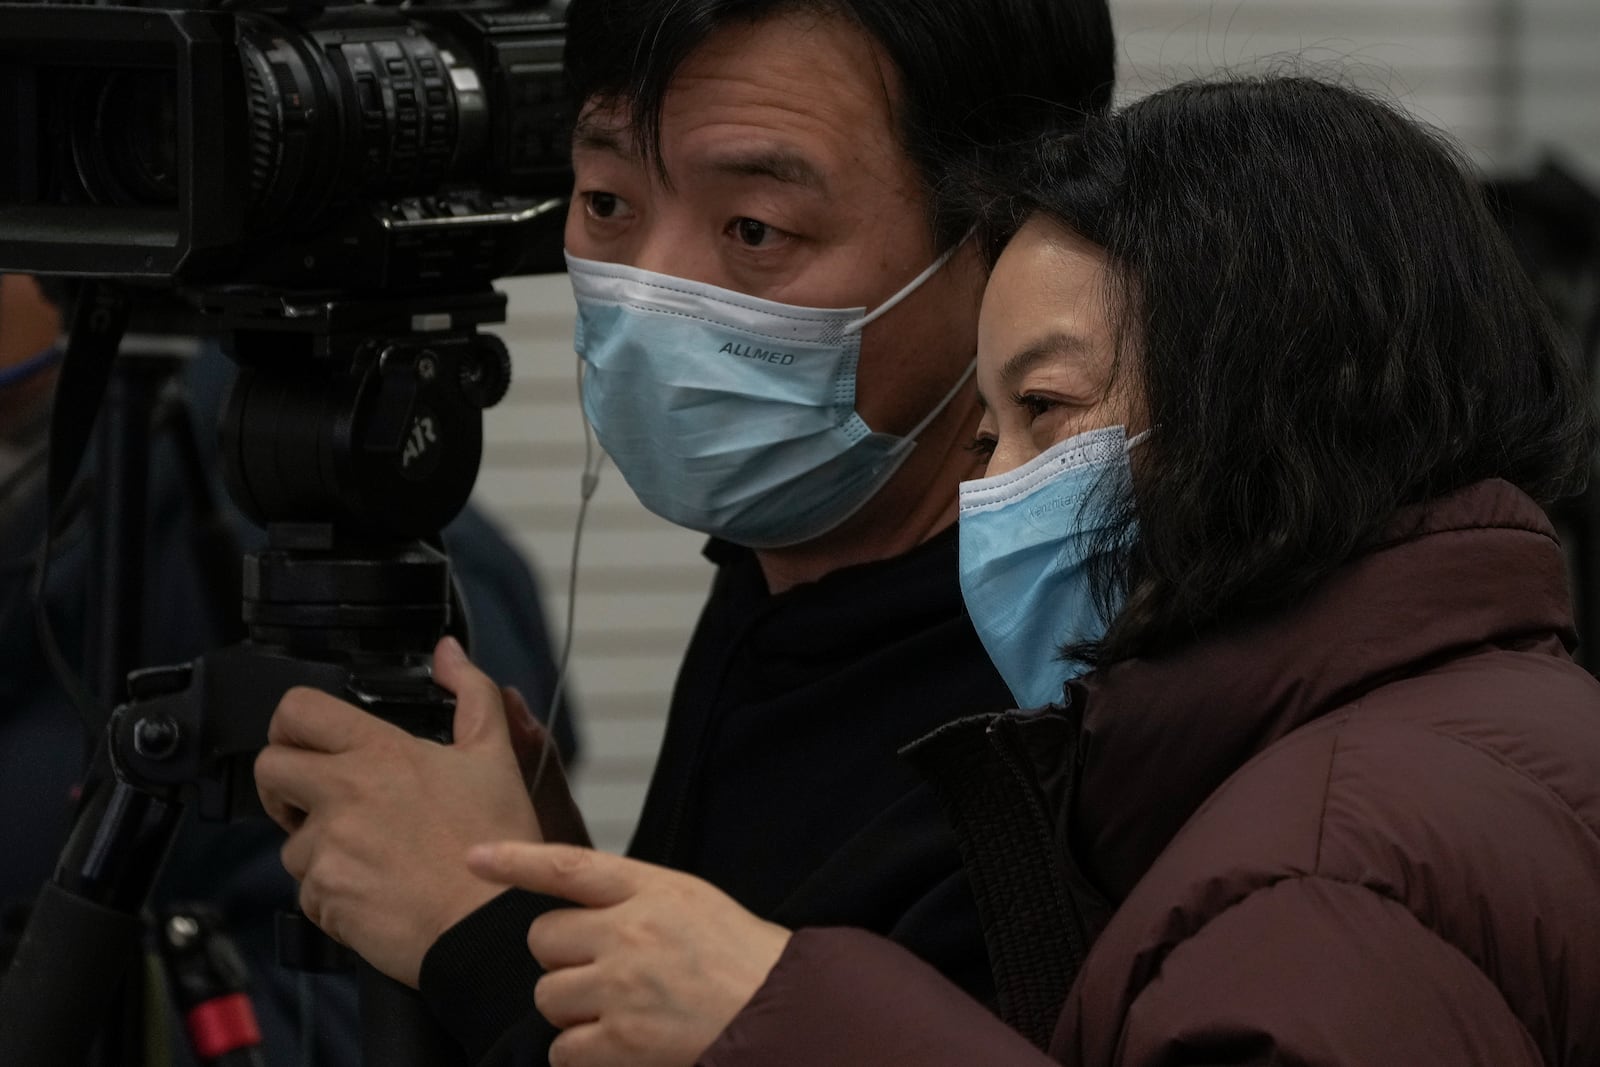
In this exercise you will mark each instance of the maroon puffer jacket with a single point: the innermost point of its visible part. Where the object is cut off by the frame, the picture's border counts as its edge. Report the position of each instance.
(1364, 831)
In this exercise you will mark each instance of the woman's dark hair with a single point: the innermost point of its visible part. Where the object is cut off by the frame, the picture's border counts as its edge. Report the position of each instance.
(1327, 325)
(975, 74)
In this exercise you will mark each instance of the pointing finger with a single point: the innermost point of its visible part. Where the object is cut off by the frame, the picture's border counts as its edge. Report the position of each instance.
(581, 875)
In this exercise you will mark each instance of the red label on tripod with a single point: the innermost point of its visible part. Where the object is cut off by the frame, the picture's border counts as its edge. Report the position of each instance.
(223, 1024)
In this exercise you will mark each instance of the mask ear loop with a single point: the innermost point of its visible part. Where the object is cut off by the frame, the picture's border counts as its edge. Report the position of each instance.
(862, 323)
(916, 431)
(912, 286)
(593, 460)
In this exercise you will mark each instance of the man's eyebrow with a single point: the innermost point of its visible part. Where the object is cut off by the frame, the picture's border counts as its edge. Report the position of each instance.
(779, 165)
(602, 138)
(1051, 346)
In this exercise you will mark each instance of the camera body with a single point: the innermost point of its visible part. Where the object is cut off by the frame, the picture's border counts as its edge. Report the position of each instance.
(362, 149)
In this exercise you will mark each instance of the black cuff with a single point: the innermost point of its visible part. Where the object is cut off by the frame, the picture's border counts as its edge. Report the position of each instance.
(478, 978)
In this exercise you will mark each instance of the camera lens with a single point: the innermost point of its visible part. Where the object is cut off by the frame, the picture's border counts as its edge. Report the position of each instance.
(139, 121)
(353, 109)
(123, 132)
(296, 129)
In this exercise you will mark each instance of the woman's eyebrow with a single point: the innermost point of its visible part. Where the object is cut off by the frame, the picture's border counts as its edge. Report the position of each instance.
(1051, 346)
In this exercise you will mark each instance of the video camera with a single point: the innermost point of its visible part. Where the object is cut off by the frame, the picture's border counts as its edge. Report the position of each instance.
(366, 149)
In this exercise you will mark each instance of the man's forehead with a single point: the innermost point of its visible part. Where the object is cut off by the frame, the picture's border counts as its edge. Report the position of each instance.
(809, 86)
(609, 128)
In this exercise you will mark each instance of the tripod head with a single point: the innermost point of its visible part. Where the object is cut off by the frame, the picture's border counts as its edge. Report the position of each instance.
(360, 413)
(352, 433)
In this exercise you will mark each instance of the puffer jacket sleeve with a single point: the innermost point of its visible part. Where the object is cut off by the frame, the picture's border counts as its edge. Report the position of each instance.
(845, 997)
(1305, 971)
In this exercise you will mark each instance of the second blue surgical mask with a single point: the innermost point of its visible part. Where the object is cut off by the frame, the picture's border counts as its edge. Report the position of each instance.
(1027, 538)
(730, 414)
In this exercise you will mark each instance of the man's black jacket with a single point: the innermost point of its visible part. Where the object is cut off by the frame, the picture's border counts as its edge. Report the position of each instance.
(780, 782)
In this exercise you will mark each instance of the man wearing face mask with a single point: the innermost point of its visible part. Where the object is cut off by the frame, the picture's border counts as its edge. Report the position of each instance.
(777, 329)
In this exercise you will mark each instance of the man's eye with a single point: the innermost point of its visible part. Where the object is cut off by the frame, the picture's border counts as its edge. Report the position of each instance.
(603, 205)
(754, 233)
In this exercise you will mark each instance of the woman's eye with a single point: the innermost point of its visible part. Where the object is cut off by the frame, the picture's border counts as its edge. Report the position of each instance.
(1035, 405)
(982, 447)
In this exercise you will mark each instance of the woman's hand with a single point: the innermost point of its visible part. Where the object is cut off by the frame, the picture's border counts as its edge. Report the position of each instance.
(651, 967)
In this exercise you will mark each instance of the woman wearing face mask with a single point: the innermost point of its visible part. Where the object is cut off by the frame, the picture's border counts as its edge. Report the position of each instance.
(1271, 411)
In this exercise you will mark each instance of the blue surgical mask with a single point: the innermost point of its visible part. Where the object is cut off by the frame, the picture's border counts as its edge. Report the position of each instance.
(730, 414)
(1027, 537)
(30, 367)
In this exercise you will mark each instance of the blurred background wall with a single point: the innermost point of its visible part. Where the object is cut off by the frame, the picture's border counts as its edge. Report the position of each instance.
(1515, 80)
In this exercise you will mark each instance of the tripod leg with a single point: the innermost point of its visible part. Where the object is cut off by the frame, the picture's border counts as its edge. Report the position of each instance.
(84, 929)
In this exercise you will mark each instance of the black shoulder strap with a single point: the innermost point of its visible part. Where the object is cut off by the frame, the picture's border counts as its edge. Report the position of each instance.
(98, 322)
(1039, 914)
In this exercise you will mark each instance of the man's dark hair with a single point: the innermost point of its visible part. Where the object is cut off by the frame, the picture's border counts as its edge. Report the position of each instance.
(975, 74)
(1326, 325)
